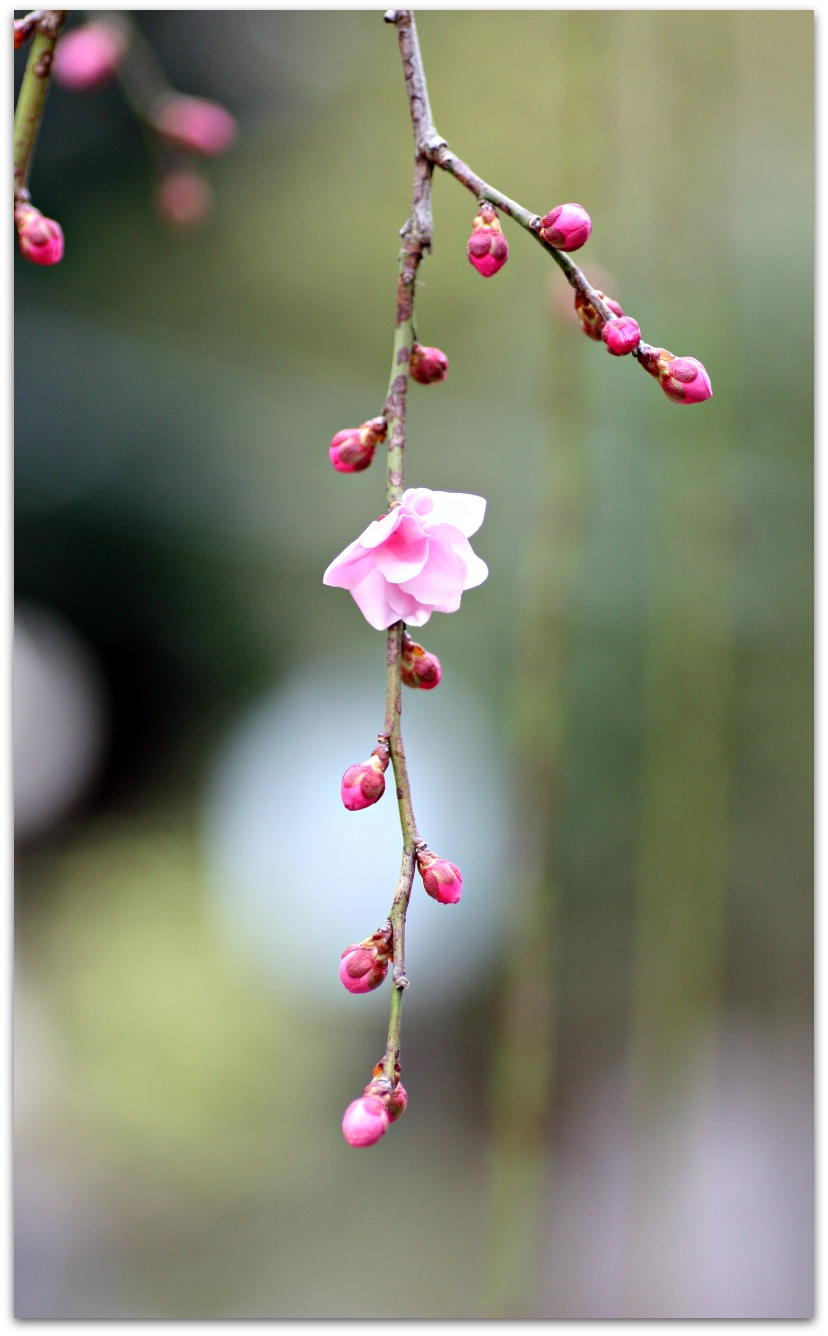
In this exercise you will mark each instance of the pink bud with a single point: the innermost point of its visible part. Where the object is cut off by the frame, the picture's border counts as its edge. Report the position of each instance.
(621, 335)
(182, 197)
(195, 124)
(427, 365)
(487, 247)
(442, 880)
(397, 1102)
(418, 668)
(40, 239)
(686, 382)
(365, 964)
(591, 322)
(364, 783)
(352, 450)
(365, 1121)
(683, 379)
(89, 56)
(566, 227)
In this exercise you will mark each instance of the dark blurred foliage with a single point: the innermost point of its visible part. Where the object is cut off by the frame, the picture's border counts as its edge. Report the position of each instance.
(177, 1095)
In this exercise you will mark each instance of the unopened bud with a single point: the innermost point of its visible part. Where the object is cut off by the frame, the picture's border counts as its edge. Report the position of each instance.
(364, 783)
(683, 379)
(88, 57)
(591, 322)
(487, 248)
(364, 965)
(40, 239)
(427, 365)
(566, 227)
(443, 881)
(418, 668)
(194, 124)
(393, 1096)
(183, 198)
(352, 450)
(621, 335)
(365, 1121)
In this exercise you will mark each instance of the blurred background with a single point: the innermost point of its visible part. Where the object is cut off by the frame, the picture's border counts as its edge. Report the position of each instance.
(607, 1047)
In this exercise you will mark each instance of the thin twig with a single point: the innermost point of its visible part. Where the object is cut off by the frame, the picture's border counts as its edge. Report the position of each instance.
(32, 95)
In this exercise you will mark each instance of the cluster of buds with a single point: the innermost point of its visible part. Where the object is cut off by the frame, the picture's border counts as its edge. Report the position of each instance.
(683, 379)
(487, 248)
(367, 1119)
(363, 784)
(591, 322)
(443, 881)
(418, 668)
(40, 239)
(427, 365)
(352, 450)
(89, 56)
(566, 227)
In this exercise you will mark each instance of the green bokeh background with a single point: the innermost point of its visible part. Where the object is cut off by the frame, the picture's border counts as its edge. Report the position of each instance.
(178, 1152)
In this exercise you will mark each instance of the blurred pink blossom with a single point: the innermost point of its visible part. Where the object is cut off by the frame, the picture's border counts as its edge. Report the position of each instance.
(415, 560)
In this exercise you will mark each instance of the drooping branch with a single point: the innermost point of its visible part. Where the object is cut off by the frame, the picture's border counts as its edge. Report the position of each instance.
(432, 150)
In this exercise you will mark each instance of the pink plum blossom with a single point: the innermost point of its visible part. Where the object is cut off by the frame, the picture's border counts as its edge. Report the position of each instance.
(566, 227)
(415, 560)
(365, 1121)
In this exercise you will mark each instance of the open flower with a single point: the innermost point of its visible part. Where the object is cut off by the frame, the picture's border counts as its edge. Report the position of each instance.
(415, 560)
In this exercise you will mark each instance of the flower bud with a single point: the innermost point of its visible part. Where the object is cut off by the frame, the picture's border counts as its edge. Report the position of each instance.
(89, 56)
(591, 322)
(364, 783)
(352, 450)
(487, 248)
(182, 197)
(40, 239)
(621, 335)
(427, 365)
(396, 1102)
(683, 379)
(443, 881)
(566, 227)
(364, 965)
(418, 668)
(365, 1121)
(194, 124)
(394, 1097)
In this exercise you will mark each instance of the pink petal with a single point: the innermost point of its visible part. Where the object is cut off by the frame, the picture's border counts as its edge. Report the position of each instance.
(348, 568)
(381, 530)
(398, 559)
(463, 510)
(441, 578)
(371, 597)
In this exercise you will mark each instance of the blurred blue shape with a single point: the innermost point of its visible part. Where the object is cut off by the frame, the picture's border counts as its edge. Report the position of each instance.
(298, 878)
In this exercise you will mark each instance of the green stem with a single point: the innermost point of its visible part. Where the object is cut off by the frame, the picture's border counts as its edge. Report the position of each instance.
(32, 95)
